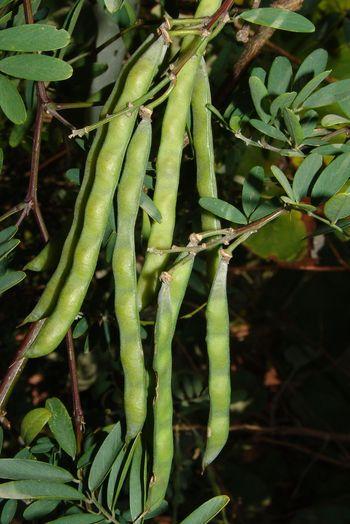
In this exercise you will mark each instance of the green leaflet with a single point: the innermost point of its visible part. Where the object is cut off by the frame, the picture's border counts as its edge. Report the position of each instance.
(61, 426)
(278, 19)
(34, 37)
(11, 101)
(36, 67)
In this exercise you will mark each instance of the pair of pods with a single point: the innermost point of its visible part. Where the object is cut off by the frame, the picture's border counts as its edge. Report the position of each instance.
(192, 85)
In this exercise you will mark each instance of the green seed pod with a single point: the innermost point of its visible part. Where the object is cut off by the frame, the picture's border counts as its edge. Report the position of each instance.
(203, 144)
(124, 269)
(204, 152)
(170, 298)
(218, 344)
(98, 204)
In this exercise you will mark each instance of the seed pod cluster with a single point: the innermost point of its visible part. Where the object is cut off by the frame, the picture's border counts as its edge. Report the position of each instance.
(121, 150)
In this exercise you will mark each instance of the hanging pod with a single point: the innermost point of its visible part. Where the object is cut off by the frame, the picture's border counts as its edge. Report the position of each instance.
(124, 270)
(218, 345)
(170, 298)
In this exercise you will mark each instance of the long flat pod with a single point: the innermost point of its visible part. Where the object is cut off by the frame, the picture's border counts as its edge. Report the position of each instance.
(168, 167)
(124, 269)
(48, 298)
(218, 345)
(203, 144)
(204, 153)
(170, 298)
(98, 204)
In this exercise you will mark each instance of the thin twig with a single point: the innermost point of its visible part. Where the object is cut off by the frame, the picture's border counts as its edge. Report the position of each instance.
(15, 370)
(294, 431)
(225, 240)
(78, 413)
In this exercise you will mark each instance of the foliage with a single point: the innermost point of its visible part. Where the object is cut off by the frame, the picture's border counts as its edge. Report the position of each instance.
(282, 153)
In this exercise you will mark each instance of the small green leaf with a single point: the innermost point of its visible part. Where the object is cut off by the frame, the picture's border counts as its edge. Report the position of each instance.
(73, 175)
(268, 130)
(33, 37)
(309, 123)
(37, 489)
(61, 426)
(345, 106)
(223, 210)
(333, 177)
(278, 19)
(7, 247)
(282, 101)
(8, 233)
(334, 120)
(4, 3)
(81, 328)
(10, 279)
(217, 114)
(283, 180)
(314, 64)
(252, 188)
(147, 204)
(8, 512)
(293, 125)
(333, 149)
(105, 457)
(305, 175)
(280, 76)
(258, 92)
(260, 73)
(309, 88)
(79, 518)
(33, 423)
(207, 511)
(114, 475)
(235, 122)
(335, 92)
(123, 473)
(11, 101)
(337, 207)
(39, 509)
(36, 67)
(24, 469)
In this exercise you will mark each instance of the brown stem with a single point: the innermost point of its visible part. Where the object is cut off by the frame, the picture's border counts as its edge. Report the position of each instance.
(78, 413)
(31, 199)
(15, 370)
(275, 430)
(226, 6)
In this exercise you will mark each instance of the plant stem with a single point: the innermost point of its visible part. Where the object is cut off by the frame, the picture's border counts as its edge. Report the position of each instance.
(101, 509)
(133, 106)
(78, 413)
(225, 240)
(15, 370)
